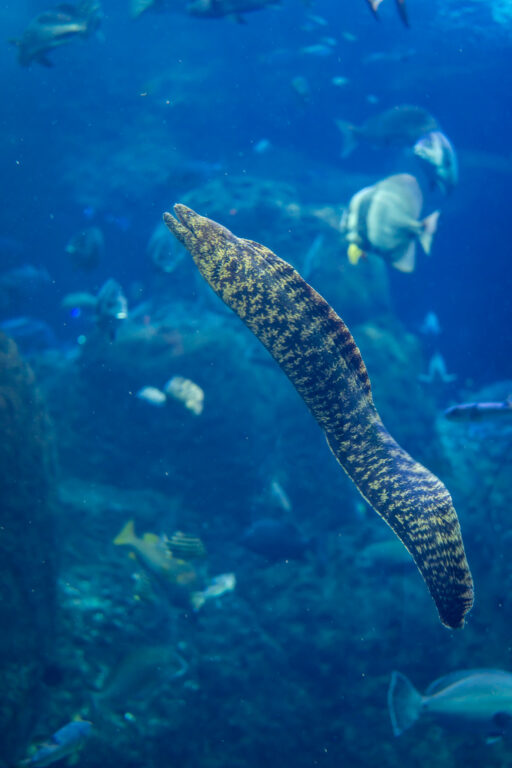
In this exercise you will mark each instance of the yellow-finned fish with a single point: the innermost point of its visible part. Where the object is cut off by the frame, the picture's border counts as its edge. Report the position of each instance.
(154, 554)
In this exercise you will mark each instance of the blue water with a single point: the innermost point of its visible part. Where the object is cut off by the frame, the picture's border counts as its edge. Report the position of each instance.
(293, 666)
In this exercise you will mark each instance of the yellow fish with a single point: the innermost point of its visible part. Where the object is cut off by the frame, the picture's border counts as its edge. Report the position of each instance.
(154, 554)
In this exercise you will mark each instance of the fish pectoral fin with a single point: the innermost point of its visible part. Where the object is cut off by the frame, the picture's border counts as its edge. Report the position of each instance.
(407, 261)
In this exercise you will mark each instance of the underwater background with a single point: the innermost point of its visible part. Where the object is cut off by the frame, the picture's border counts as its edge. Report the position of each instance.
(275, 638)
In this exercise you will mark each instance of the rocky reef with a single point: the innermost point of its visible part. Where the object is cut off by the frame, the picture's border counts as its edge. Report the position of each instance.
(27, 551)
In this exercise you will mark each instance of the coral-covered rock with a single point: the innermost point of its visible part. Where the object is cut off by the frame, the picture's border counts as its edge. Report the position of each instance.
(26, 549)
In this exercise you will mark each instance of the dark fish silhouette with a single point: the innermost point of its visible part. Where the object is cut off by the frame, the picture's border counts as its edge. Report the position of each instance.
(400, 126)
(316, 351)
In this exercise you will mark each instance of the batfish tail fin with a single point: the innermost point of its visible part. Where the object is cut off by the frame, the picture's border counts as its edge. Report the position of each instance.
(429, 227)
(404, 703)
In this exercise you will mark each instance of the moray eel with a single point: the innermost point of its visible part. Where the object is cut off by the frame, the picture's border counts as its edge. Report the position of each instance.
(316, 351)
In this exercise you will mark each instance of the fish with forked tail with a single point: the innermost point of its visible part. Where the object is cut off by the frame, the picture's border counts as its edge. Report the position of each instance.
(316, 351)
(475, 700)
(400, 126)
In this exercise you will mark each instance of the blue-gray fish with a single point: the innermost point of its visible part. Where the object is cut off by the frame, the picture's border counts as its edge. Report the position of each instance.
(439, 159)
(56, 27)
(479, 411)
(479, 700)
(400, 126)
(65, 742)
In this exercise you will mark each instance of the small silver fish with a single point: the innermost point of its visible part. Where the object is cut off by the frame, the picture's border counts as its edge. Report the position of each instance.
(477, 700)
(479, 411)
(439, 158)
(65, 742)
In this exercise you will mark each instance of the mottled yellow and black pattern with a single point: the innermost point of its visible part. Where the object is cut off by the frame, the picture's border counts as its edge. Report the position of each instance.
(318, 354)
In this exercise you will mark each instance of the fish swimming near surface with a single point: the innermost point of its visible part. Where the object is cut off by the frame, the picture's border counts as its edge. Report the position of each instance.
(316, 351)
(400, 126)
(86, 248)
(438, 157)
(383, 220)
(217, 9)
(55, 27)
(400, 6)
(479, 411)
(474, 700)
(66, 742)
(138, 7)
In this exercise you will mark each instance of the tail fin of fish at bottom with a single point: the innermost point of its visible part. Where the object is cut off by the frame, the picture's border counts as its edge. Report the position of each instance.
(428, 230)
(404, 703)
